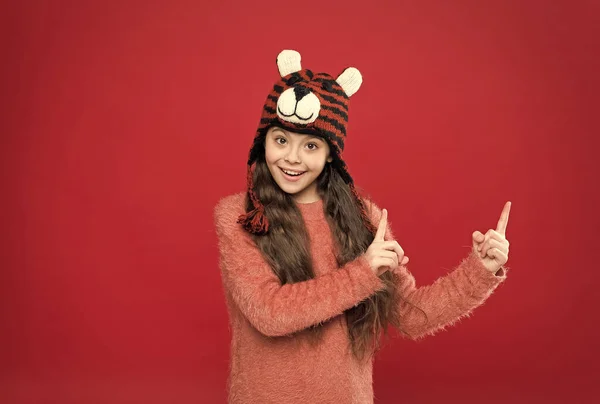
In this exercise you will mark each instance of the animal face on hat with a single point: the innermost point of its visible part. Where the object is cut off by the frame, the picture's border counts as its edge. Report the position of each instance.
(306, 102)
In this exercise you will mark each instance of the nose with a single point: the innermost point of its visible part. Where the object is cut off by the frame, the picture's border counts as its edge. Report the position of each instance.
(300, 92)
(292, 156)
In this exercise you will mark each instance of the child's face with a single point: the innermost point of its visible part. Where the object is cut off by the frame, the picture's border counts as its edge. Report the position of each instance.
(300, 153)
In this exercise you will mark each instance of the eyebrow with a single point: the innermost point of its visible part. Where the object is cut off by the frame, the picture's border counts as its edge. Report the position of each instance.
(309, 136)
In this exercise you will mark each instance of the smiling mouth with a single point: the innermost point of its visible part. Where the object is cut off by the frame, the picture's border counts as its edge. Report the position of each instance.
(291, 173)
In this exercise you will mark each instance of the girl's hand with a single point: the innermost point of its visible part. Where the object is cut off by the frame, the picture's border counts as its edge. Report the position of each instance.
(493, 247)
(384, 255)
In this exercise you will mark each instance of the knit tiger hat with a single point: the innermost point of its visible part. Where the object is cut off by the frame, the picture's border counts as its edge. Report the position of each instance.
(304, 102)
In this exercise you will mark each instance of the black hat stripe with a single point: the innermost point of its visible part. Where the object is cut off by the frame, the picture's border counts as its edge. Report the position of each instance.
(334, 90)
(336, 111)
(324, 79)
(307, 75)
(334, 123)
(334, 101)
(341, 93)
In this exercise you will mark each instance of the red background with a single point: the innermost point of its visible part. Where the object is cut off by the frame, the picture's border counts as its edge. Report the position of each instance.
(124, 122)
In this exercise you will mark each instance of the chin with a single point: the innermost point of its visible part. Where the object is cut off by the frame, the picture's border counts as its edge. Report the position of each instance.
(290, 189)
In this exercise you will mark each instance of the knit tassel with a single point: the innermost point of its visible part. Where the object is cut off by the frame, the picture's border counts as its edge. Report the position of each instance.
(254, 221)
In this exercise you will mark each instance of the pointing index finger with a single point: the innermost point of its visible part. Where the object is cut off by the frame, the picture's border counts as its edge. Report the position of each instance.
(382, 226)
(503, 222)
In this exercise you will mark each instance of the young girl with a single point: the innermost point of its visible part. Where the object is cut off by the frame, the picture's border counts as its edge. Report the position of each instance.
(311, 271)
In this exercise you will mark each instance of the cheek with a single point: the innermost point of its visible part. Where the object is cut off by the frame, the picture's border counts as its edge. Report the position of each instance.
(320, 161)
(316, 167)
(270, 155)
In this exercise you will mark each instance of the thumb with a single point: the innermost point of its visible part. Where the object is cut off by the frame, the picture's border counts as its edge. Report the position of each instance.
(478, 238)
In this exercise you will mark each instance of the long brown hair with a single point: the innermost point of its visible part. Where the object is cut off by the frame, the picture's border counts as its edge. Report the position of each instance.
(286, 248)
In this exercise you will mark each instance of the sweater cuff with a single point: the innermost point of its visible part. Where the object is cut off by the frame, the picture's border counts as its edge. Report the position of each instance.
(484, 280)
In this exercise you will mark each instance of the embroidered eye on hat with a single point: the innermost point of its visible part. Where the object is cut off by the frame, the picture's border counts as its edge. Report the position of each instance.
(304, 102)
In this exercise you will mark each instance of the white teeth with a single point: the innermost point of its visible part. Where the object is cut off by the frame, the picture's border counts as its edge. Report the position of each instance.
(291, 173)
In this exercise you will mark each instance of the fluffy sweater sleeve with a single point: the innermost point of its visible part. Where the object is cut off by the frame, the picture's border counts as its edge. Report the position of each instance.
(449, 299)
(275, 309)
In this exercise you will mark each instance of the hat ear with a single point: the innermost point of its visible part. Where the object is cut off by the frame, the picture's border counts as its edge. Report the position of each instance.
(288, 61)
(350, 80)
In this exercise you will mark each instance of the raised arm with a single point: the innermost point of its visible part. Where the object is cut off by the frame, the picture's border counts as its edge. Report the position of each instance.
(275, 309)
(447, 300)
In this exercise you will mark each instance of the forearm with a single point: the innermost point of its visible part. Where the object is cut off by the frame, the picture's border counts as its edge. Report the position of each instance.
(447, 300)
(277, 310)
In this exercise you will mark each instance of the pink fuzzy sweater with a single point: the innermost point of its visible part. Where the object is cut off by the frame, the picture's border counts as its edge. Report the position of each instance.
(270, 365)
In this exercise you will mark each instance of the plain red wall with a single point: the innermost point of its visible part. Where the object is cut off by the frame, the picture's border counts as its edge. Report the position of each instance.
(124, 122)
